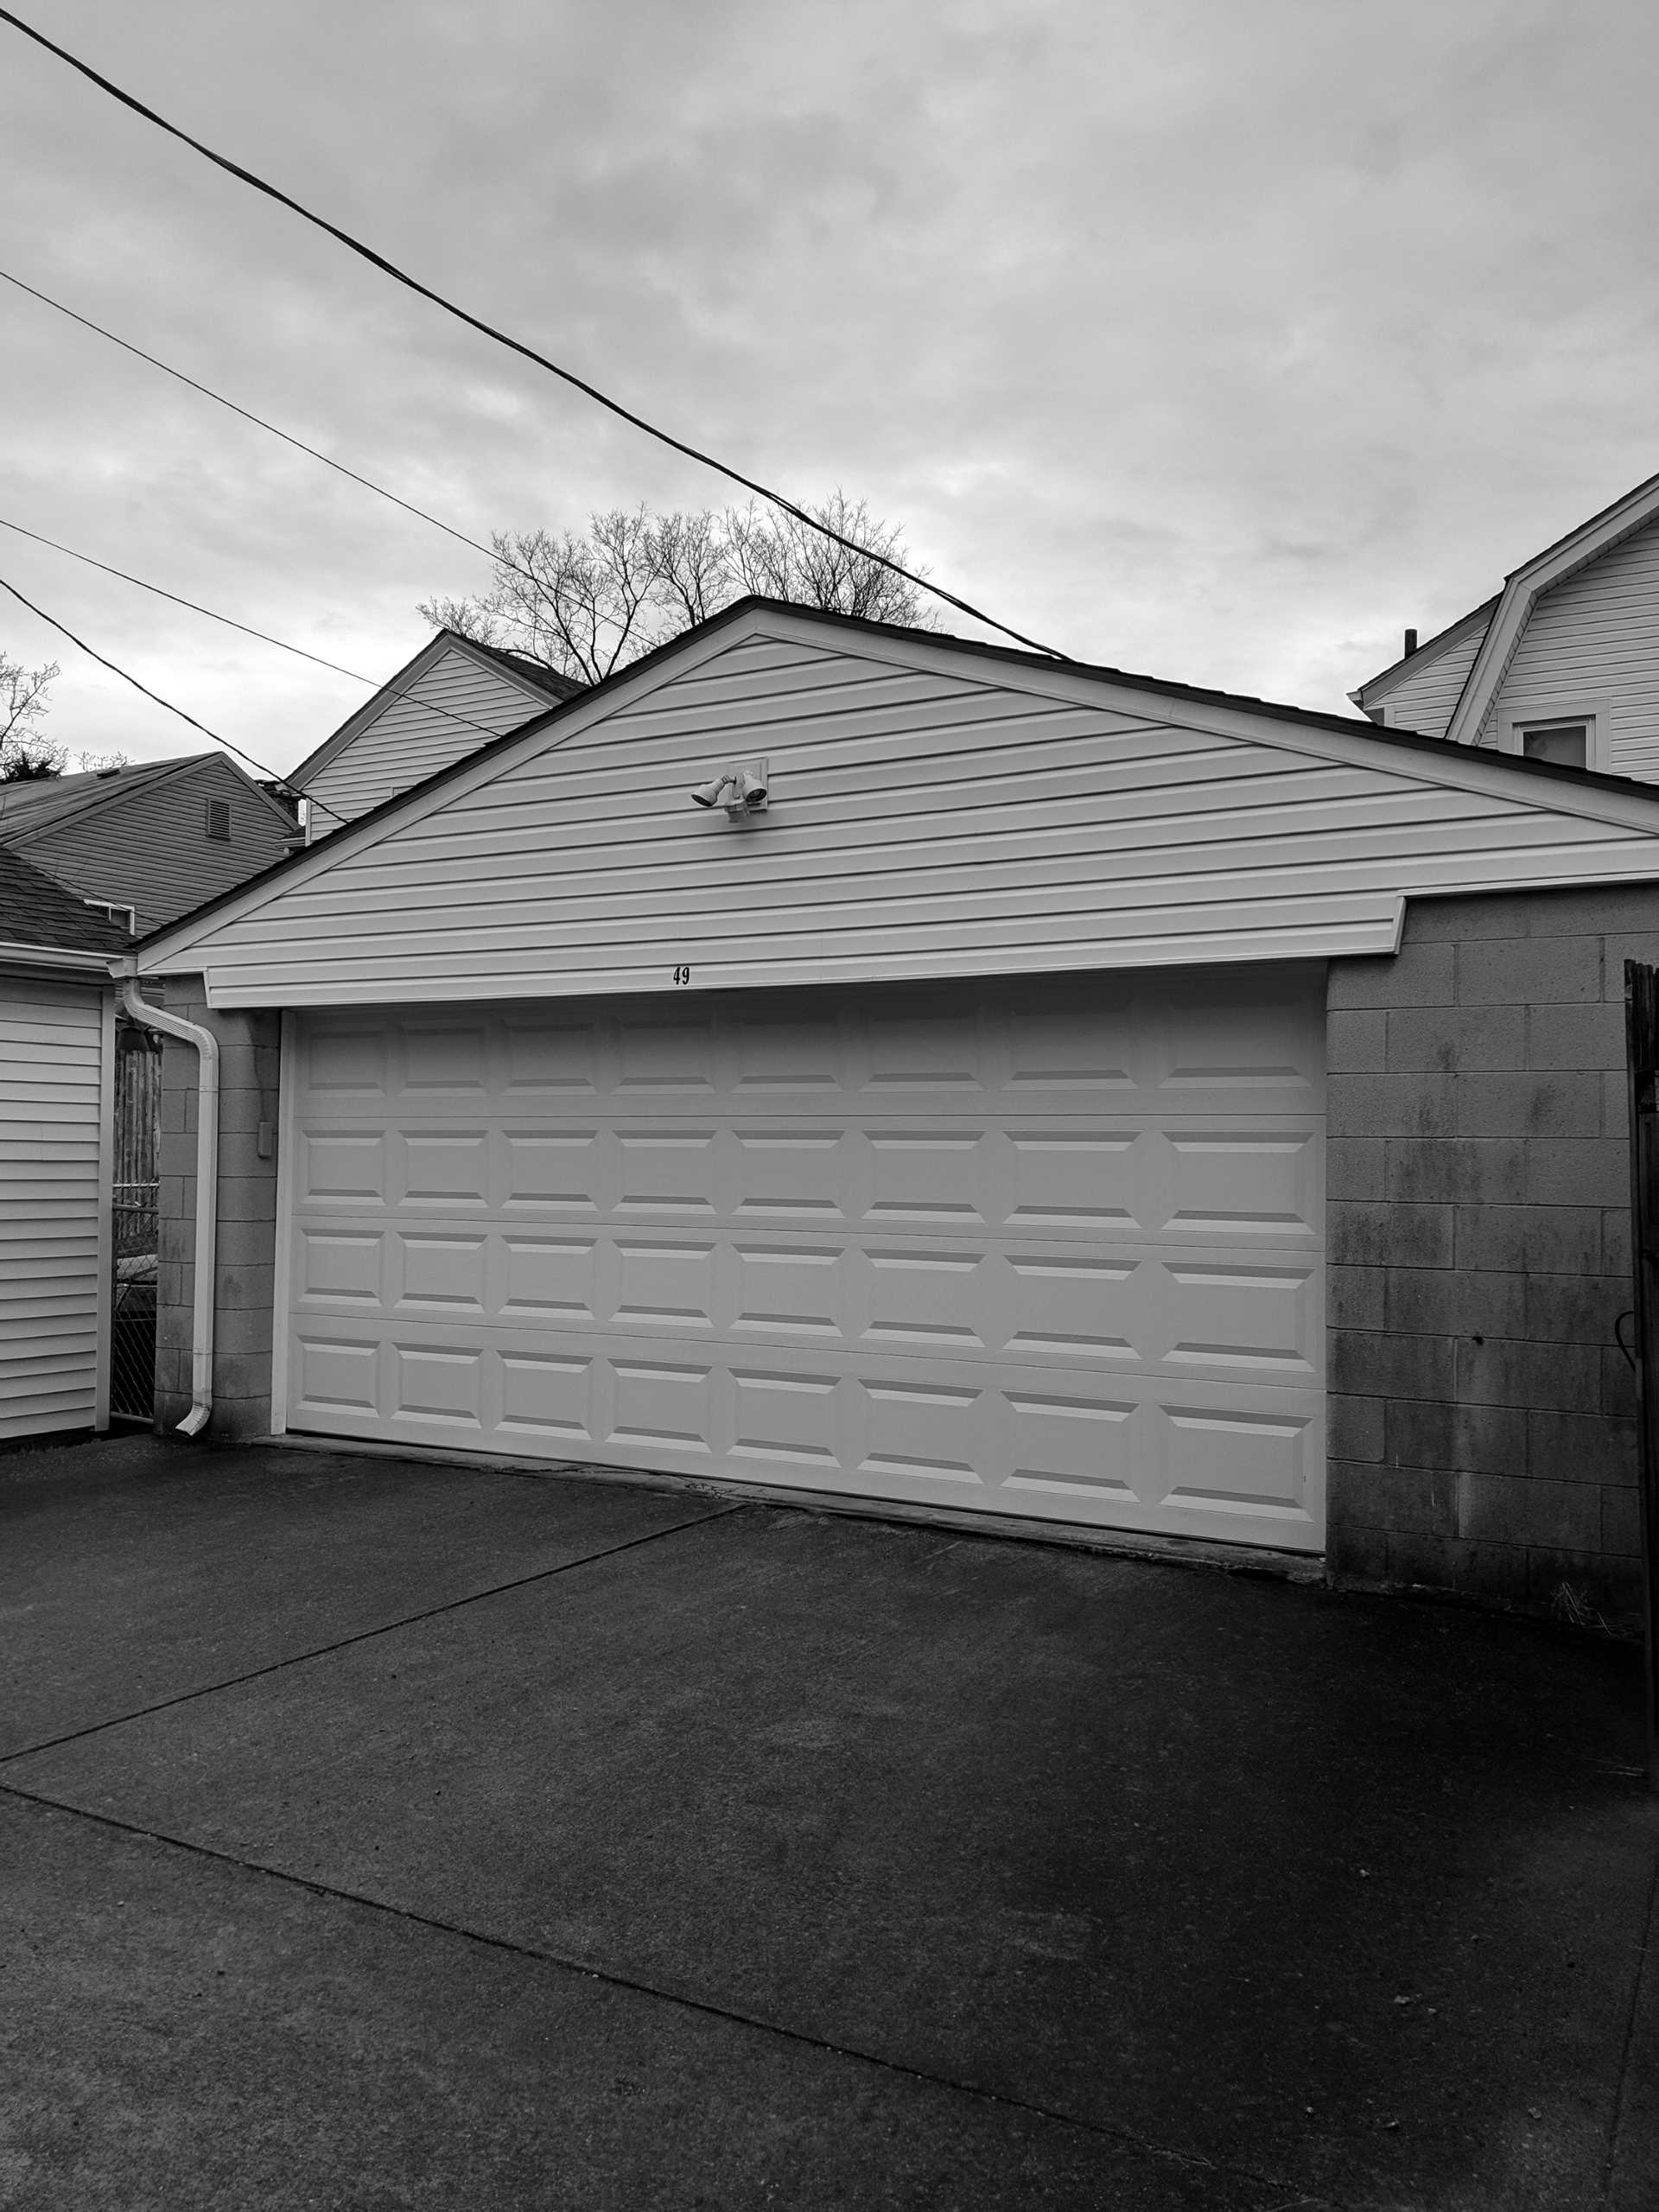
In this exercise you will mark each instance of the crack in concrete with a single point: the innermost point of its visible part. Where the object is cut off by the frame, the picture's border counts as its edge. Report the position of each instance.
(706, 2008)
(1609, 2172)
(367, 1634)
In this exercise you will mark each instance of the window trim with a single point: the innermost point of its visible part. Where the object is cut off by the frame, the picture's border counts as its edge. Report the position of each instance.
(1592, 708)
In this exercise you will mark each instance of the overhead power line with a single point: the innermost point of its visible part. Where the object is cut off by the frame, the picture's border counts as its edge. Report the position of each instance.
(248, 415)
(63, 630)
(513, 345)
(430, 706)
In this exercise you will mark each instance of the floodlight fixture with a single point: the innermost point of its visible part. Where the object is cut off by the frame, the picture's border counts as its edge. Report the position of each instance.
(712, 792)
(742, 791)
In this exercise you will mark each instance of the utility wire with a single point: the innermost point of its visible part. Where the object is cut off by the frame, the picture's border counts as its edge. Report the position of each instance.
(264, 636)
(429, 706)
(248, 415)
(513, 345)
(64, 630)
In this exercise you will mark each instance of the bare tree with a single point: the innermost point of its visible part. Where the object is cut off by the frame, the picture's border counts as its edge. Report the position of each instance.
(24, 753)
(589, 604)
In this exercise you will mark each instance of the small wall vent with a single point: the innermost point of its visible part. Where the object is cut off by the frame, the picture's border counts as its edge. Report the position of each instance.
(218, 820)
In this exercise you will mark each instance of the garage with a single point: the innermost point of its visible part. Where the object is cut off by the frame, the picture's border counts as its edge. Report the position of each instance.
(1051, 1250)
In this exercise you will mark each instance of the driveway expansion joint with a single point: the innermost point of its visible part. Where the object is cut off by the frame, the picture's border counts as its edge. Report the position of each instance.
(1296, 2199)
(366, 1635)
(1627, 2053)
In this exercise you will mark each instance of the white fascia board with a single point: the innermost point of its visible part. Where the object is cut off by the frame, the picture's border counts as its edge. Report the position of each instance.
(66, 959)
(1522, 592)
(1634, 807)
(1369, 925)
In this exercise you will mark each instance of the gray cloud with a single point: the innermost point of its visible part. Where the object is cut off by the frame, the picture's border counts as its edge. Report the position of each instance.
(1215, 341)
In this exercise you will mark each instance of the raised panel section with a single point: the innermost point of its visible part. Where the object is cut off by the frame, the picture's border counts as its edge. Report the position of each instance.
(1052, 1252)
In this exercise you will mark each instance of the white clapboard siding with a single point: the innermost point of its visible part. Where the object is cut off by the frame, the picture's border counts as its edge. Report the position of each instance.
(55, 1102)
(933, 812)
(1595, 637)
(1423, 697)
(448, 710)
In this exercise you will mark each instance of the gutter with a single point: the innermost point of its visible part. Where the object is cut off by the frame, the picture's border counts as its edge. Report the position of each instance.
(201, 1323)
(55, 957)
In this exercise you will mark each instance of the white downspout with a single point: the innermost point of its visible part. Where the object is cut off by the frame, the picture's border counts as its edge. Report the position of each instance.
(201, 1327)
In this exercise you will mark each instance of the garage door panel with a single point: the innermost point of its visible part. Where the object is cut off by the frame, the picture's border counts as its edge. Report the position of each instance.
(1184, 1455)
(1054, 1253)
(1210, 1310)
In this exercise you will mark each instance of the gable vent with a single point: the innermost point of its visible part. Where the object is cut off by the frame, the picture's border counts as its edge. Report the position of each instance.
(218, 819)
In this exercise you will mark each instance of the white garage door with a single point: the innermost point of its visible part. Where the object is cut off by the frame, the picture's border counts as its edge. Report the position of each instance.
(1051, 1250)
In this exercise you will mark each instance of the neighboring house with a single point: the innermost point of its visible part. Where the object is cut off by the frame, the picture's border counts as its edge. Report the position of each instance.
(1562, 665)
(150, 840)
(1077, 1100)
(57, 1074)
(454, 695)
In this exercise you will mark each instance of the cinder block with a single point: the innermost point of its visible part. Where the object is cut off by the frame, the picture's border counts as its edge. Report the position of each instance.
(1558, 1240)
(246, 1243)
(1576, 1036)
(1618, 1381)
(170, 1113)
(1389, 1105)
(1451, 1039)
(1529, 971)
(1620, 945)
(1470, 914)
(247, 1197)
(1616, 1106)
(1529, 1104)
(1354, 1297)
(1616, 1240)
(1581, 1448)
(1364, 1235)
(1457, 1171)
(1572, 1309)
(1356, 1554)
(1418, 975)
(241, 1113)
(1356, 1039)
(1415, 1500)
(1621, 1521)
(1454, 1302)
(241, 1330)
(1572, 1171)
(1368, 1366)
(1354, 1428)
(1563, 1378)
(1591, 911)
(242, 1375)
(176, 1154)
(240, 1421)
(1511, 1509)
(1355, 1168)
(1466, 1439)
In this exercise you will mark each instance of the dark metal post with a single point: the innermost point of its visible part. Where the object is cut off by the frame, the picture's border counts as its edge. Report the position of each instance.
(1642, 1036)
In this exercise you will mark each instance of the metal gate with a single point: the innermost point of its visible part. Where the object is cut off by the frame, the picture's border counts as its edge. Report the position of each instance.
(1642, 1033)
(134, 1205)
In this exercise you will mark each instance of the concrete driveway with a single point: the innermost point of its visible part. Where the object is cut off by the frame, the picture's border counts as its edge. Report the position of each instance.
(382, 1834)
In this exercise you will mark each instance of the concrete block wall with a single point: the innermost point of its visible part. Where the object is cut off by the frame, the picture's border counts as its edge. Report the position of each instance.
(249, 1055)
(1483, 1436)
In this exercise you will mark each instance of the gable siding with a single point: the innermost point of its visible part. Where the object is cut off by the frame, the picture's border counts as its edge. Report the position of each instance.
(53, 1205)
(1423, 698)
(417, 734)
(152, 850)
(1596, 633)
(923, 823)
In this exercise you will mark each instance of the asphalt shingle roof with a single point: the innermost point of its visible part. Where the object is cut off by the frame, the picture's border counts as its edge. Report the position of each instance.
(35, 909)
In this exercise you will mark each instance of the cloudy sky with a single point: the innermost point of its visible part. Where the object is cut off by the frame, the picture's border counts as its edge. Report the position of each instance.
(1212, 338)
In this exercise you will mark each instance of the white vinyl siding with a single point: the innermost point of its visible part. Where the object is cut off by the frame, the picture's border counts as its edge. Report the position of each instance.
(53, 1205)
(449, 710)
(1054, 1252)
(1594, 634)
(931, 814)
(1422, 699)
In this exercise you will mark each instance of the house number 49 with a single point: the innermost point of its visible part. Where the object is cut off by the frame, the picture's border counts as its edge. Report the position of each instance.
(681, 975)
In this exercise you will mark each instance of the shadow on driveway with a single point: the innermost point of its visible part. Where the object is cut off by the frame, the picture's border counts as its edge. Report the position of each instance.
(390, 1835)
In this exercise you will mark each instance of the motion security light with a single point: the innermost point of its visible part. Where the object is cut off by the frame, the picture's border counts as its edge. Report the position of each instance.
(741, 791)
(712, 792)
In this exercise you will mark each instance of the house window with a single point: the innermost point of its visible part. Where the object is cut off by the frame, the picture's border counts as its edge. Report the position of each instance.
(1567, 742)
(218, 820)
